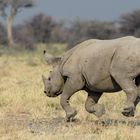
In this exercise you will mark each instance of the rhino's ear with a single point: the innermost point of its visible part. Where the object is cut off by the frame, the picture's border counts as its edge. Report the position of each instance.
(52, 60)
(44, 78)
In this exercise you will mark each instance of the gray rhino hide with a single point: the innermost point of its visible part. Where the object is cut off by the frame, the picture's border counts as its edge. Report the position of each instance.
(99, 66)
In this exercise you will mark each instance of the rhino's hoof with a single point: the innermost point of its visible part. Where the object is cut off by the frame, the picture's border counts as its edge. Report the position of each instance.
(129, 112)
(99, 110)
(70, 116)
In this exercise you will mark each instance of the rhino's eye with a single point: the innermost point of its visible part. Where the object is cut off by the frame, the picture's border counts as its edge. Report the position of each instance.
(49, 78)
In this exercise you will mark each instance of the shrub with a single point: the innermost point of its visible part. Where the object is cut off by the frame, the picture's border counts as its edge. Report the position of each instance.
(24, 36)
(130, 23)
(83, 30)
(42, 27)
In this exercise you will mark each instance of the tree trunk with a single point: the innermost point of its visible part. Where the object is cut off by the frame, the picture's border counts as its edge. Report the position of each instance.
(10, 20)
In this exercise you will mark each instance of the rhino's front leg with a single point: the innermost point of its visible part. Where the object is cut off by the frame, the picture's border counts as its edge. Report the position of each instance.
(71, 86)
(70, 111)
(92, 106)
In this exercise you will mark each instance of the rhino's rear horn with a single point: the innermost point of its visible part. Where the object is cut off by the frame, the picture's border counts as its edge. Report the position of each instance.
(52, 60)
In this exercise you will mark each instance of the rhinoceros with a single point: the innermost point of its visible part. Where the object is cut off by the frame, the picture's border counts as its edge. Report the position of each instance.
(96, 66)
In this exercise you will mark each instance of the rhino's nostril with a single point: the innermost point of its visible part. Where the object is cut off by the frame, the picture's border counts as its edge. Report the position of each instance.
(45, 92)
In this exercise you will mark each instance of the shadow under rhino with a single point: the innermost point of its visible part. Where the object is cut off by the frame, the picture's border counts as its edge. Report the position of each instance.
(56, 124)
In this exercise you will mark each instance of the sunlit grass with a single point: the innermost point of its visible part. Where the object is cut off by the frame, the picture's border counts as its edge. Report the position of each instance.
(26, 113)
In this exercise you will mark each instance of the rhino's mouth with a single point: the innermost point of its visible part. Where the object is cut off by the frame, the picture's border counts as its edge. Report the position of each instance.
(58, 93)
(55, 94)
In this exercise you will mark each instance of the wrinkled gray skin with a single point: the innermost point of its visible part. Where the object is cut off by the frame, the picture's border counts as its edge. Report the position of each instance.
(96, 66)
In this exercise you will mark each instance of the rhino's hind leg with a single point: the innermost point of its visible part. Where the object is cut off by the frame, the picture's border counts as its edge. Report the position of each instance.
(128, 86)
(92, 106)
(71, 86)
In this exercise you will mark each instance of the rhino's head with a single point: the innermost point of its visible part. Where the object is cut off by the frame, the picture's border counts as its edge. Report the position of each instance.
(53, 85)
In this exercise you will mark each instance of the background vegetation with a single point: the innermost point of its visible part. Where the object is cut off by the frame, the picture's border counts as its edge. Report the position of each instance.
(44, 29)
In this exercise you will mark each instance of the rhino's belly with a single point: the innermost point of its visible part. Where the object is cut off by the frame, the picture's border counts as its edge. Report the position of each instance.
(104, 85)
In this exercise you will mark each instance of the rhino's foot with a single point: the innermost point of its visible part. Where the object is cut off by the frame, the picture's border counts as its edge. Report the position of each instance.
(96, 109)
(128, 114)
(70, 115)
(99, 110)
(129, 111)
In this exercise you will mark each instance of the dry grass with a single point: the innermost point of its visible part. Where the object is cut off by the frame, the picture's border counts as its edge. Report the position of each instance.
(26, 113)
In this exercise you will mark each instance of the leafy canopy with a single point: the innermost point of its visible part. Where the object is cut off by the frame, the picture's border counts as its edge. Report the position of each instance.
(13, 6)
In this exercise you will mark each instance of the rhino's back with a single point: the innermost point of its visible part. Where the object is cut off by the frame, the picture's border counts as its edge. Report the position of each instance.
(93, 53)
(92, 59)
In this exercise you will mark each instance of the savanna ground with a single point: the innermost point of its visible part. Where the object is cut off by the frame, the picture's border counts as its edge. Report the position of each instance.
(27, 114)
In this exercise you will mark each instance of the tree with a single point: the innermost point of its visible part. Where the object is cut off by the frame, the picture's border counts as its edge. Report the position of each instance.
(100, 30)
(42, 26)
(83, 30)
(2, 34)
(130, 23)
(24, 36)
(8, 10)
